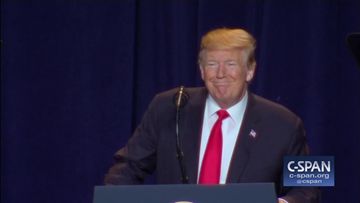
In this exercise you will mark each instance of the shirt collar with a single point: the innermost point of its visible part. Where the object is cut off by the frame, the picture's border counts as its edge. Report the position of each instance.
(235, 111)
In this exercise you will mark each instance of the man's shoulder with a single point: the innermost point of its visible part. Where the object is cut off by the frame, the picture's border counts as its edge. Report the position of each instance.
(270, 109)
(163, 103)
(167, 98)
(188, 90)
(193, 93)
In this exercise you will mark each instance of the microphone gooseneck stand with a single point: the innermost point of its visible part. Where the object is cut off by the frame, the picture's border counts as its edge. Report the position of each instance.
(180, 100)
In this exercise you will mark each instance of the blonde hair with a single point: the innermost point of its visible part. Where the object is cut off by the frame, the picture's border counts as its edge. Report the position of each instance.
(226, 38)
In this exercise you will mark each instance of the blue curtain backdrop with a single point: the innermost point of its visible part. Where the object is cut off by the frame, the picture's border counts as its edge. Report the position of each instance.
(76, 77)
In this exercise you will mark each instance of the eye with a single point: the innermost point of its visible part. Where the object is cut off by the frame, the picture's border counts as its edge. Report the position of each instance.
(231, 64)
(212, 64)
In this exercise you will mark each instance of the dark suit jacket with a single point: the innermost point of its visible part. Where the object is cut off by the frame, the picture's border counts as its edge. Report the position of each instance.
(279, 132)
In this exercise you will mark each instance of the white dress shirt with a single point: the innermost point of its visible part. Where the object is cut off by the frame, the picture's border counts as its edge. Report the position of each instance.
(230, 131)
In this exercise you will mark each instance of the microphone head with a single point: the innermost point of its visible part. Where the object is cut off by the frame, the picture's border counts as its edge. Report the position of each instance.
(181, 98)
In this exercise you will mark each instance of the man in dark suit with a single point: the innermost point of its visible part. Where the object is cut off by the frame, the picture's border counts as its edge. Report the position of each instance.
(228, 135)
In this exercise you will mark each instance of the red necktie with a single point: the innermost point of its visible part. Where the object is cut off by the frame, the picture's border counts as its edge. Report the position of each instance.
(211, 165)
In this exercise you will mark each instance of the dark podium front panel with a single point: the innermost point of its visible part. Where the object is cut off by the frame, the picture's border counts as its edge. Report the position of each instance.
(237, 193)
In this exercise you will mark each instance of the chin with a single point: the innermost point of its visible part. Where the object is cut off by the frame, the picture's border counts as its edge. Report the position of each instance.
(223, 101)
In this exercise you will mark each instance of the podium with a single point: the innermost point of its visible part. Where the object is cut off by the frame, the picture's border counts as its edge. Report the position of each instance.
(187, 193)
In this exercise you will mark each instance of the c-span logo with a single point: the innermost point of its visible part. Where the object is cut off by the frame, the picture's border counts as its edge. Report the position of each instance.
(309, 171)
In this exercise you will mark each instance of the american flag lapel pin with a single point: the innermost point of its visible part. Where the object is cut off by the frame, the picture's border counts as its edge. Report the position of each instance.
(252, 133)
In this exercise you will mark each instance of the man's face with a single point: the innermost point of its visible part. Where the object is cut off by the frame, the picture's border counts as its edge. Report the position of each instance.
(226, 75)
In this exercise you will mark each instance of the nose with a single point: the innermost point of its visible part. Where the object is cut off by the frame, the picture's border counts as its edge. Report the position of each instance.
(221, 71)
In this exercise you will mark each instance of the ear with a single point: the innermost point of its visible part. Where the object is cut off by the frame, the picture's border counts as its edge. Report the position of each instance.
(201, 71)
(250, 73)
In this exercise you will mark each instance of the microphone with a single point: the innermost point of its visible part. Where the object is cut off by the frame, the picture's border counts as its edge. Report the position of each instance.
(180, 99)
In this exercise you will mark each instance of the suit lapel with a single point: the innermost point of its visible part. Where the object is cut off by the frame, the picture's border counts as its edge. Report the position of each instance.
(191, 125)
(245, 141)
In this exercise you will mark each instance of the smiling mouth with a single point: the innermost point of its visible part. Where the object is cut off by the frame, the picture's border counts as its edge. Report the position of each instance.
(221, 83)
